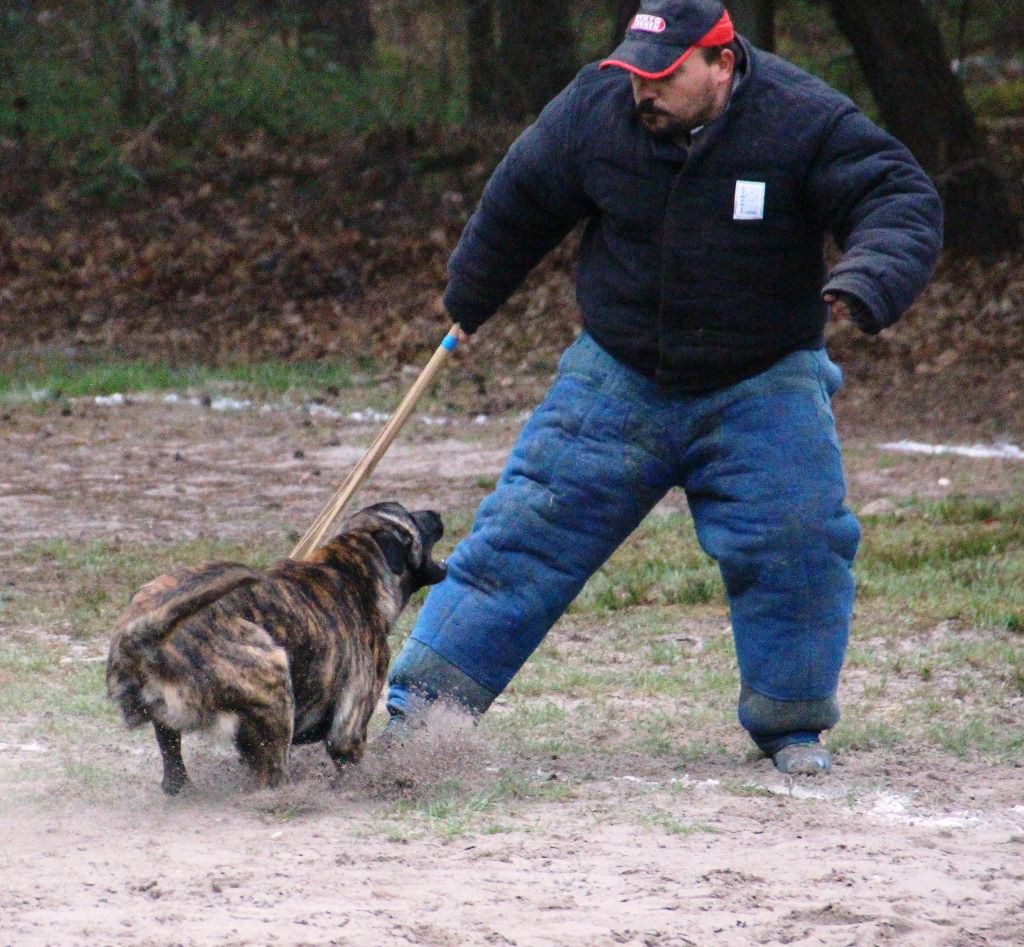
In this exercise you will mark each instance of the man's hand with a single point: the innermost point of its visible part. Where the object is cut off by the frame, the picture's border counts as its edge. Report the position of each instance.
(846, 306)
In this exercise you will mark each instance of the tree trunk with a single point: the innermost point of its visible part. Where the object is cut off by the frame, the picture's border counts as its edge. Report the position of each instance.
(482, 54)
(538, 55)
(755, 19)
(922, 102)
(349, 23)
(623, 12)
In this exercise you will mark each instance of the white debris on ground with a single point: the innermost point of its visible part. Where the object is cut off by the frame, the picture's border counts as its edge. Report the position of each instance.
(33, 747)
(311, 408)
(323, 411)
(890, 807)
(798, 789)
(368, 416)
(229, 404)
(998, 450)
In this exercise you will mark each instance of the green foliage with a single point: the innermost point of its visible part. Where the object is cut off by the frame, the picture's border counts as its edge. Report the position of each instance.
(143, 66)
(807, 36)
(81, 85)
(84, 78)
(1001, 100)
(240, 85)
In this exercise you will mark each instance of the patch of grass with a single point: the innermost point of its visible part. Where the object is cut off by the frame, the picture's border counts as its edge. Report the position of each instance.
(452, 813)
(89, 777)
(499, 828)
(539, 728)
(686, 730)
(673, 825)
(959, 558)
(547, 674)
(288, 810)
(660, 564)
(973, 735)
(859, 730)
(56, 378)
(28, 674)
(59, 695)
(88, 584)
(452, 810)
(943, 686)
(747, 790)
(516, 785)
(695, 682)
(22, 774)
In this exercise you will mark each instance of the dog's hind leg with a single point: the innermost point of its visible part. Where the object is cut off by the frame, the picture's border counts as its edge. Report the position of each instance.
(175, 778)
(263, 741)
(347, 739)
(254, 684)
(266, 705)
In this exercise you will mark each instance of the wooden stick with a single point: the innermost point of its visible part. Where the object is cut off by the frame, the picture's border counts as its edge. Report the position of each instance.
(323, 523)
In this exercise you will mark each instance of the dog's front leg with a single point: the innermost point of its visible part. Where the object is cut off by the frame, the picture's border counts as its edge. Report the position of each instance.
(175, 778)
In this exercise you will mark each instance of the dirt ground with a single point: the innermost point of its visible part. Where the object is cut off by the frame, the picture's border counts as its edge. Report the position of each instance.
(888, 849)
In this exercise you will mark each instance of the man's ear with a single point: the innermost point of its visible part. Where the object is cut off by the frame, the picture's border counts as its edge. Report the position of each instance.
(727, 60)
(394, 550)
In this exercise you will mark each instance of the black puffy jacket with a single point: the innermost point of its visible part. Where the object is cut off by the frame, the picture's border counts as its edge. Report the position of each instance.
(673, 279)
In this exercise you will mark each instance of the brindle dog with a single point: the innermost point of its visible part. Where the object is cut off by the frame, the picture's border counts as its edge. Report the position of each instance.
(295, 654)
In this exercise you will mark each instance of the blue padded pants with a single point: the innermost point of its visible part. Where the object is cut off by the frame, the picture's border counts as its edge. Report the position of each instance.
(760, 465)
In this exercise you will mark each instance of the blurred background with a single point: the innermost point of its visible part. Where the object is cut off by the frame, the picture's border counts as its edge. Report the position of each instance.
(242, 179)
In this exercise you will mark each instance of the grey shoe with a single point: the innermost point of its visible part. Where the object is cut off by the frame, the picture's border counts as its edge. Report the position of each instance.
(399, 731)
(803, 759)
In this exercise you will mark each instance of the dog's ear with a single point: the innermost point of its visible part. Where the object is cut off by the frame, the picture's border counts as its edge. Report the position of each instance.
(395, 552)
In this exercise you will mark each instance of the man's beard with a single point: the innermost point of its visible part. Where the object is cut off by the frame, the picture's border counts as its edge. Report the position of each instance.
(671, 127)
(668, 129)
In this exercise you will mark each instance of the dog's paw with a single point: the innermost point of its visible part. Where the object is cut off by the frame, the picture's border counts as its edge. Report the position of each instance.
(270, 779)
(178, 787)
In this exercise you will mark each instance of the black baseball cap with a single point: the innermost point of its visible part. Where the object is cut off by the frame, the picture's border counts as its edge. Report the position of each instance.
(665, 32)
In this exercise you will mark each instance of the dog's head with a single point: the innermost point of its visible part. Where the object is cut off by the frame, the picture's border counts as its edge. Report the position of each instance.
(406, 540)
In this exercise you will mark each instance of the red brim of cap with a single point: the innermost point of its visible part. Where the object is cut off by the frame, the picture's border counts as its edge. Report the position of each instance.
(722, 32)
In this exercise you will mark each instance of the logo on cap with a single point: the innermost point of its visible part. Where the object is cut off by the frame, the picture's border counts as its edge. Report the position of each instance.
(648, 23)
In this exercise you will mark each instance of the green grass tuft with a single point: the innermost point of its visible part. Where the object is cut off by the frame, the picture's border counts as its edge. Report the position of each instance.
(661, 564)
(57, 378)
(93, 581)
(960, 558)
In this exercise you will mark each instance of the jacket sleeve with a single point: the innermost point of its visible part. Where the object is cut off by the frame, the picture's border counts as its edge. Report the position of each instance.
(882, 210)
(531, 202)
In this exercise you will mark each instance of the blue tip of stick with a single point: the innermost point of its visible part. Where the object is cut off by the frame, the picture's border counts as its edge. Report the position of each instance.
(449, 342)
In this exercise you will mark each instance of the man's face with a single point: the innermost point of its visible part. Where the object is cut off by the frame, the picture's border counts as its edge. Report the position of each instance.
(693, 95)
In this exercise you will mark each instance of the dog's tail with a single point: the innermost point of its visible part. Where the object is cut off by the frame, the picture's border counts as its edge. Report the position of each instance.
(149, 630)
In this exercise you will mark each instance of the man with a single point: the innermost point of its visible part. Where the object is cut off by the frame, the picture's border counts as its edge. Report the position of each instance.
(708, 173)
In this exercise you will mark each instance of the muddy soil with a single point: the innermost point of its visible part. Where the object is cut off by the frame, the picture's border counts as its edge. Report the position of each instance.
(891, 848)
